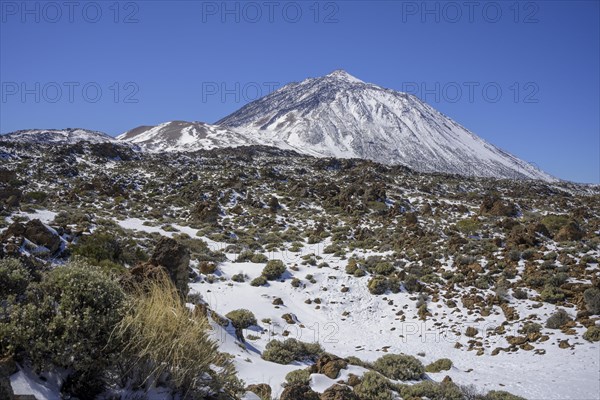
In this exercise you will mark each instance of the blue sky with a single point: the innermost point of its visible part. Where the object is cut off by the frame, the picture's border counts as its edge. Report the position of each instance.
(522, 75)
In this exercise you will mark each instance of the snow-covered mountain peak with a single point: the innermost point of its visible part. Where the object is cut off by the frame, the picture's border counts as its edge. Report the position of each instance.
(340, 116)
(340, 74)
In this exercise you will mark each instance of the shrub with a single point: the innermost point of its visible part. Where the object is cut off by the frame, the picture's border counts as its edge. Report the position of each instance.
(468, 226)
(558, 319)
(239, 278)
(384, 268)
(291, 350)
(519, 294)
(259, 258)
(531, 327)
(501, 395)
(273, 270)
(207, 267)
(552, 295)
(443, 364)
(72, 311)
(242, 318)
(259, 281)
(352, 266)
(162, 337)
(299, 376)
(412, 284)
(399, 367)
(592, 300)
(592, 334)
(373, 387)
(431, 390)
(378, 285)
(98, 246)
(14, 278)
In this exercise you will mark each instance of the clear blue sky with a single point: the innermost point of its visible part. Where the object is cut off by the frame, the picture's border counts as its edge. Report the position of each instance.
(189, 60)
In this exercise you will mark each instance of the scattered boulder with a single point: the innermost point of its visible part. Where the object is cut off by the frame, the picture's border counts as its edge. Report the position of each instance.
(175, 258)
(298, 392)
(329, 365)
(39, 234)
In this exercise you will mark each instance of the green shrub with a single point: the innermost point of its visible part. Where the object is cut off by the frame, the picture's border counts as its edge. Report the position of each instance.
(592, 300)
(399, 367)
(552, 295)
(378, 285)
(68, 321)
(258, 281)
(431, 390)
(384, 268)
(531, 327)
(98, 246)
(291, 350)
(558, 319)
(14, 278)
(468, 226)
(242, 318)
(298, 376)
(373, 387)
(239, 278)
(501, 395)
(554, 222)
(592, 334)
(273, 270)
(352, 266)
(259, 258)
(443, 364)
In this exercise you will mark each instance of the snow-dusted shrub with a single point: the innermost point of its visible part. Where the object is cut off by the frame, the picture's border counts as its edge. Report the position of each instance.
(273, 270)
(373, 386)
(14, 278)
(558, 319)
(399, 367)
(291, 350)
(242, 318)
(592, 300)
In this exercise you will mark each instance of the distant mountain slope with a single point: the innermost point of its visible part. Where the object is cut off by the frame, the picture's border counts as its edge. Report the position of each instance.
(183, 136)
(57, 136)
(339, 115)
